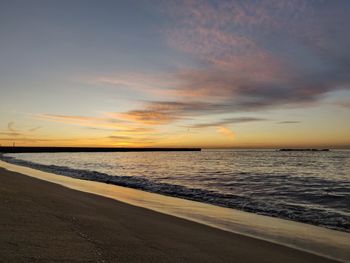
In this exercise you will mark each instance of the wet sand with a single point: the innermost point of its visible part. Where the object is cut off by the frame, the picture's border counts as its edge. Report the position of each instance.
(44, 222)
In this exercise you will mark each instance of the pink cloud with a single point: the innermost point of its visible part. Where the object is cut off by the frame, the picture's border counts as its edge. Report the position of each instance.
(226, 132)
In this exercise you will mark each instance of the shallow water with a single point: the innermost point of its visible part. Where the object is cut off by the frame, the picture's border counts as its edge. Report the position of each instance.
(310, 187)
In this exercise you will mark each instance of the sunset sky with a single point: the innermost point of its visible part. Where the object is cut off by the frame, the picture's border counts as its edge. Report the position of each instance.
(175, 73)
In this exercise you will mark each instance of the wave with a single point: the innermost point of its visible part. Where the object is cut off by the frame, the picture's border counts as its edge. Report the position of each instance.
(274, 207)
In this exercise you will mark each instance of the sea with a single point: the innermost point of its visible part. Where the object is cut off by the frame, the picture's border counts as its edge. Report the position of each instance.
(308, 187)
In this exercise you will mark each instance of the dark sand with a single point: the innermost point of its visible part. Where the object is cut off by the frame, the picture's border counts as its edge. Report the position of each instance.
(45, 222)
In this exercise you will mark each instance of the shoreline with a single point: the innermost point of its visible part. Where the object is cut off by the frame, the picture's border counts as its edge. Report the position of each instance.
(319, 241)
(53, 222)
(180, 191)
(303, 237)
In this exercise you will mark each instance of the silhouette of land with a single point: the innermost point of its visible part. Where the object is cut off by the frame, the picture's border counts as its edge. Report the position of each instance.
(23, 149)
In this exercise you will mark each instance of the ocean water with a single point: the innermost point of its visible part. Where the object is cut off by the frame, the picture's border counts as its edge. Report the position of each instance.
(309, 187)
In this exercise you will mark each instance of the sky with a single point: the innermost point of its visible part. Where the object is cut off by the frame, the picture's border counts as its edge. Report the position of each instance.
(210, 74)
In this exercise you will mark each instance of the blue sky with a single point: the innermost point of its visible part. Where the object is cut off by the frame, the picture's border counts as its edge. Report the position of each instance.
(175, 73)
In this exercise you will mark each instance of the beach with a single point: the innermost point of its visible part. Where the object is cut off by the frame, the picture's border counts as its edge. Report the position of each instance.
(44, 222)
(201, 131)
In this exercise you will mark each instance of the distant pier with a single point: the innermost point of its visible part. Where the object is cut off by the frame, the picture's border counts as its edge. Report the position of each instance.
(23, 149)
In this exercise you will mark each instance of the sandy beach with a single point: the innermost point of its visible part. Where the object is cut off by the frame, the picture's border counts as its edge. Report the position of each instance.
(45, 222)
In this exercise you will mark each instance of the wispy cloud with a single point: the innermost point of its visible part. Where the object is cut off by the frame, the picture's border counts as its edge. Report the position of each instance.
(119, 137)
(165, 112)
(344, 104)
(150, 117)
(10, 133)
(156, 84)
(258, 55)
(35, 129)
(288, 122)
(226, 121)
(131, 139)
(252, 56)
(104, 122)
(68, 118)
(15, 133)
(108, 122)
(34, 140)
(11, 126)
(226, 132)
(247, 57)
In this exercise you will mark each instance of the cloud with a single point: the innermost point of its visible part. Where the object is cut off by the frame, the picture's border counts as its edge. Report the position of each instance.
(104, 122)
(251, 57)
(343, 104)
(131, 139)
(226, 121)
(33, 140)
(11, 126)
(11, 133)
(17, 134)
(247, 56)
(35, 129)
(288, 122)
(119, 137)
(260, 55)
(154, 84)
(128, 132)
(165, 112)
(67, 118)
(149, 117)
(226, 132)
